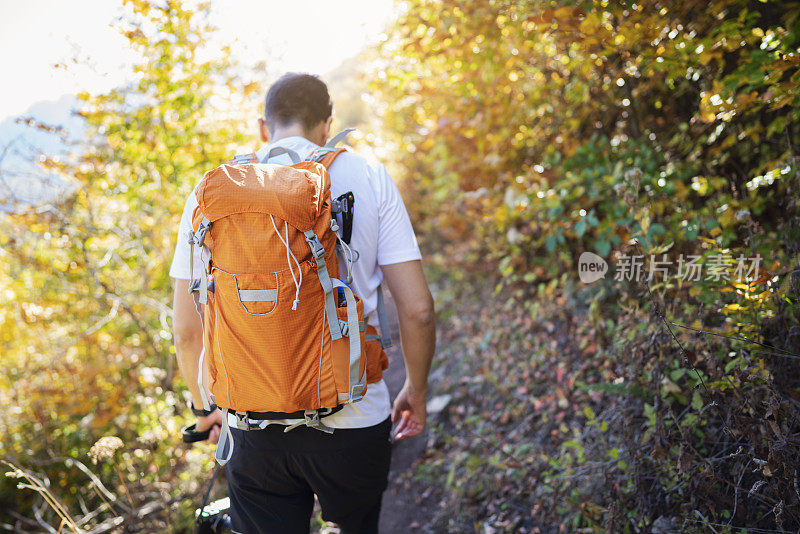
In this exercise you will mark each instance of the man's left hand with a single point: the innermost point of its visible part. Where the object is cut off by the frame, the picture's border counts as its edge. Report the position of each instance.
(409, 413)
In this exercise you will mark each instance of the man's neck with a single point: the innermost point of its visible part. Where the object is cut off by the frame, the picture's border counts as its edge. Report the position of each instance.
(294, 130)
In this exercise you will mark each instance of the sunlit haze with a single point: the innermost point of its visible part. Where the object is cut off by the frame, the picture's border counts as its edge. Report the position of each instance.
(40, 39)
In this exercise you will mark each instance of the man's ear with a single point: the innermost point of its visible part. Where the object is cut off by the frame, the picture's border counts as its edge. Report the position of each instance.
(263, 130)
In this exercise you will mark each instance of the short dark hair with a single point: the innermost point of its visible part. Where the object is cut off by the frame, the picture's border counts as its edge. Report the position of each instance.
(297, 97)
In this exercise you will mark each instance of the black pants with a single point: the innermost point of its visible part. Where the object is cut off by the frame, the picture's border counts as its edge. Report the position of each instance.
(273, 476)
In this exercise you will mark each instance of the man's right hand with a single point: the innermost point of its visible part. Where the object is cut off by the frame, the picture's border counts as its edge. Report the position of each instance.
(212, 421)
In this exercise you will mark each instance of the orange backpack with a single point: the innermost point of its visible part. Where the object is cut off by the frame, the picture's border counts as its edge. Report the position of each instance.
(284, 337)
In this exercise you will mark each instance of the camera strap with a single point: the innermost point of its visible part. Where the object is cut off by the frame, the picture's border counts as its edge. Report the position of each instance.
(208, 492)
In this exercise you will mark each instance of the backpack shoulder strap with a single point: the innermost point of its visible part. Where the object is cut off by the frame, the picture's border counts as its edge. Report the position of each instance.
(244, 159)
(327, 153)
(328, 158)
(339, 137)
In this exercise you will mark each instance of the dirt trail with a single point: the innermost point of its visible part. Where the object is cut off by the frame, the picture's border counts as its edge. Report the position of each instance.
(400, 511)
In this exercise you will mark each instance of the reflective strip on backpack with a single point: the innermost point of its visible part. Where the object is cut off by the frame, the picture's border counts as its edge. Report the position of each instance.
(356, 386)
(258, 295)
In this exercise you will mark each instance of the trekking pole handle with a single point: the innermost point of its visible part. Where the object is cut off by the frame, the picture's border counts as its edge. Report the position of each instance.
(190, 435)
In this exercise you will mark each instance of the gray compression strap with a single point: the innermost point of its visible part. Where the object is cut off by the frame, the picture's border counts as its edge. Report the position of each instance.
(225, 441)
(191, 260)
(278, 150)
(201, 383)
(201, 297)
(199, 241)
(318, 252)
(355, 388)
(386, 338)
(336, 139)
(258, 295)
(201, 373)
(203, 289)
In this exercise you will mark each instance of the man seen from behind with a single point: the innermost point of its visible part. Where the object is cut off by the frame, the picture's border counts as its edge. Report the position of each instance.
(273, 475)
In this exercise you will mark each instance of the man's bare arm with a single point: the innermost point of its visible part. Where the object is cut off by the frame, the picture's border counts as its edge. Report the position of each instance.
(417, 317)
(188, 335)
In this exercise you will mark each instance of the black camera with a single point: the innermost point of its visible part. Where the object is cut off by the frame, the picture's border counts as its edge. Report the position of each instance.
(214, 518)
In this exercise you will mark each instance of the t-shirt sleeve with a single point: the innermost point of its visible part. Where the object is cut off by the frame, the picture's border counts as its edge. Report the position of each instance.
(396, 239)
(181, 266)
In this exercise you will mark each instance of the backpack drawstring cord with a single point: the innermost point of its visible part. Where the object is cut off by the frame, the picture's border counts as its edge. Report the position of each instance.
(289, 257)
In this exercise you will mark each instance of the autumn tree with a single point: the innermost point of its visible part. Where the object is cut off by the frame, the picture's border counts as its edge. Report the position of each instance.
(520, 110)
(85, 319)
(531, 132)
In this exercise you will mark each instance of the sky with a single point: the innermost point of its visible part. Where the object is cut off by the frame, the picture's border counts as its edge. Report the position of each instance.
(293, 35)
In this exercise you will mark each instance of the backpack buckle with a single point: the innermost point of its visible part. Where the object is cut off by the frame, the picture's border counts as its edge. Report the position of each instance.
(317, 250)
(202, 230)
(242, 421)
(319, 153)
(357, 393)
(311, 419)
(194, 285)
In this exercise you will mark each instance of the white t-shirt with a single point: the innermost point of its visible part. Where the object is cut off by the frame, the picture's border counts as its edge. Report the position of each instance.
(382, 235)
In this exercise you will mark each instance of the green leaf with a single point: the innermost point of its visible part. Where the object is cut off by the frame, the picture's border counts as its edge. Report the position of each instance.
(697, 401)
(580, 228)
(602, 247)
